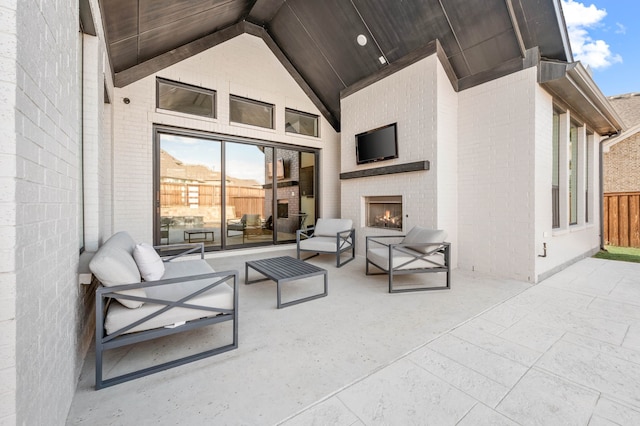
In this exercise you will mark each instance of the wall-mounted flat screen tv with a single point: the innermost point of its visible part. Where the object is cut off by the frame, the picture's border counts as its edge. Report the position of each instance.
(377, 144)
(279, 169)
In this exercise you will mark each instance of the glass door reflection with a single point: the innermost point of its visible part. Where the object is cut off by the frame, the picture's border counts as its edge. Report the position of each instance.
(249, 214)
(189, 205)
(294, 195)
(308, 188)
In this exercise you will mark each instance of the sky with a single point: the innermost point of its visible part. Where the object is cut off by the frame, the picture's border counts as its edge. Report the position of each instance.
(605, 36)
(243, 161)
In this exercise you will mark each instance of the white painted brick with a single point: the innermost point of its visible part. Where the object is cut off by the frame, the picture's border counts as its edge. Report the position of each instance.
(410, 98)
(133, 124)
(40, 113)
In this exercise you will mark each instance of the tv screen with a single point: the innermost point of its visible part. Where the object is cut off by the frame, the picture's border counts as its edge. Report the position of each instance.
(377, 144)
(279, 169)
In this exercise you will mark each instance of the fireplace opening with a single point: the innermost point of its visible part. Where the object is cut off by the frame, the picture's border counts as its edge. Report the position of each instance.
(384, 212)
(283, 209)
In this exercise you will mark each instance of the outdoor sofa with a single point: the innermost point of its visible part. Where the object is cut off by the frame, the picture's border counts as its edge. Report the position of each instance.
(143, 296)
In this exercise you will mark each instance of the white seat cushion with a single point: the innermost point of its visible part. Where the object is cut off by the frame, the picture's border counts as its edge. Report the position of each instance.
(220, 296)
(323, 244)
(380, 256)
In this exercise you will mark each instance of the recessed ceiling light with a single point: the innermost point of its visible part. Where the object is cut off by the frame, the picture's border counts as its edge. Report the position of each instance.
(382, 60)
(361, 39)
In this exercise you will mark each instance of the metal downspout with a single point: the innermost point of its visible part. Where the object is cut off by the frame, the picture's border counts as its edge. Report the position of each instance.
(601, 185)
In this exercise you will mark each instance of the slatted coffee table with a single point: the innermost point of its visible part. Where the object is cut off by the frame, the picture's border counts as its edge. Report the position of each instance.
(283, 269)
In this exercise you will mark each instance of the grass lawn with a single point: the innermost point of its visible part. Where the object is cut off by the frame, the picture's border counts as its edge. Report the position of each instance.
(627, 254)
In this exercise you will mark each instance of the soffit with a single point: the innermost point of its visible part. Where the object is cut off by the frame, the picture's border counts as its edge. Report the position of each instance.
(317, 39)
(574, 86)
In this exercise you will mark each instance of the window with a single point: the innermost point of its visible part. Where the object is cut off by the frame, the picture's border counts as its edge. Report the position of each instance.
(573, 174)
(587, 177)
(301, 122)
(184, 98)
(555, 180)
(247, 111)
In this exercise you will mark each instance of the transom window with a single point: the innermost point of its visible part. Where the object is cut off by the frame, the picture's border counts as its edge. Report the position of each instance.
(184, 98)
(248, 111)
(301, 122)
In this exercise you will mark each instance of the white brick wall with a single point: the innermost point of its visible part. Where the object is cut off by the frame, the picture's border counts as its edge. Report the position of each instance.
(505, 142)
(104, 170)
(93, 88)
(496, 146)
(447, 160)
(8, 237)
(44, 129)
(242, 66)
(569, 242)
(410, 98)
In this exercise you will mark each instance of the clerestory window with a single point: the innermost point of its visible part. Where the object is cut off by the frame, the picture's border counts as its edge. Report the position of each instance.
(184, 98)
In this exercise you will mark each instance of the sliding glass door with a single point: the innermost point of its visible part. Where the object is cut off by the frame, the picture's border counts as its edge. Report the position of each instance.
(249, 218)
(294, 195)
(189, 201)
(229, 193)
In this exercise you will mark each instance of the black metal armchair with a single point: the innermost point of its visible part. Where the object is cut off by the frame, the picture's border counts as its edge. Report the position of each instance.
(420, 251)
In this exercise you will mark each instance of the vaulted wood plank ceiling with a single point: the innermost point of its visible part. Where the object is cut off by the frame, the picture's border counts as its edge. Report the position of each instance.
(317, 39)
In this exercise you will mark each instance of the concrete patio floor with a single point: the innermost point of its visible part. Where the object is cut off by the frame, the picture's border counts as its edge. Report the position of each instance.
(487, 352)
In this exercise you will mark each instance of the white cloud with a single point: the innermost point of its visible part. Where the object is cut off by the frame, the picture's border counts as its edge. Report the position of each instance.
(621, 28)
(580, 19)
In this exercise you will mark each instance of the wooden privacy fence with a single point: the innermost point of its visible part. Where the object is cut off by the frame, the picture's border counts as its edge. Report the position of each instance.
(622, 219)
(244, 199)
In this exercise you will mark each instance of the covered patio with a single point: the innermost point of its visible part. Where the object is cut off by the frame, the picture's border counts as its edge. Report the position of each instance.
(486, 99)
(488, 351)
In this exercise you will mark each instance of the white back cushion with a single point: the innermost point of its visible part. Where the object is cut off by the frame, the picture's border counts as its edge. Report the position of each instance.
(149, 263)
(330, 227)
(113, 265)
(420, 235)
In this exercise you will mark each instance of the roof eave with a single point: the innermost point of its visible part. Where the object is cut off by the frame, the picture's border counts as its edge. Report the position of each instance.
(572, 84)
(564, 33)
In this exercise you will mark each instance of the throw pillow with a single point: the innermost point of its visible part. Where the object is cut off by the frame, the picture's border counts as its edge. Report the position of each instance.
(149, 263)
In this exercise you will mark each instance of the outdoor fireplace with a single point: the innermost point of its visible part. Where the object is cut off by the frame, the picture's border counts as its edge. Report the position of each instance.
(384, 212)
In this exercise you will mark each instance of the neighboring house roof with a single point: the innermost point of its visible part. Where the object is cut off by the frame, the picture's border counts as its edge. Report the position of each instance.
(628, 108)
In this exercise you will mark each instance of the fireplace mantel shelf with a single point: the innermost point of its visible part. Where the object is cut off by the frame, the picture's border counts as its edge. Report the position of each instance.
(387, 170)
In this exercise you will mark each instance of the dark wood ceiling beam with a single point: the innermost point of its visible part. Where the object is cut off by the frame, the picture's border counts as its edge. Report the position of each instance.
(516, 27)
(174, 56)
(87, 26)
(261, 32)
(530, 59)
(250, 5)
(318, 47)
(429, 49)
(455, 36)
(263, 11)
